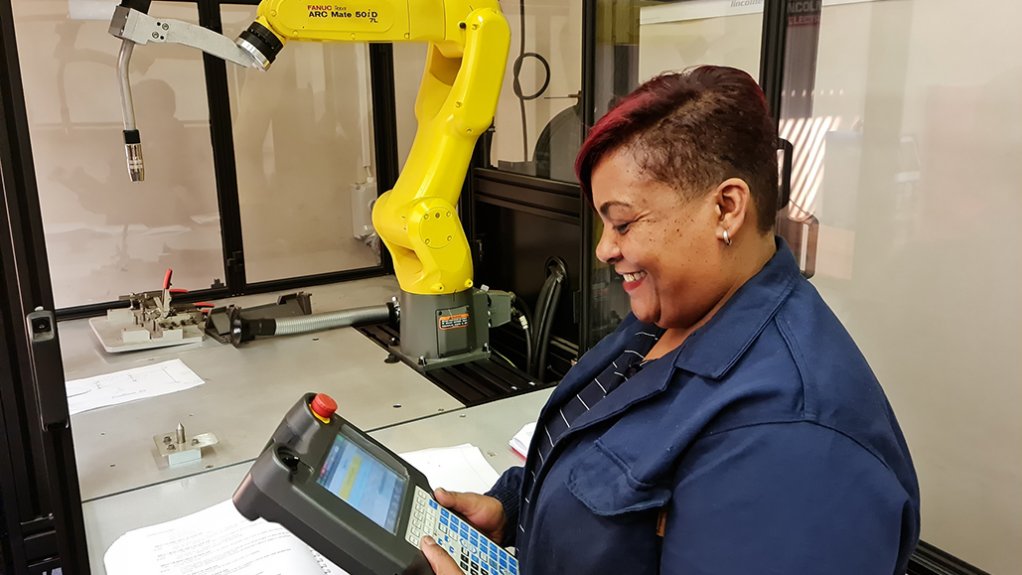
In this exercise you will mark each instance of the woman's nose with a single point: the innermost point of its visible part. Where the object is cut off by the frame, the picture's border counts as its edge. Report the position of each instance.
(607, 250)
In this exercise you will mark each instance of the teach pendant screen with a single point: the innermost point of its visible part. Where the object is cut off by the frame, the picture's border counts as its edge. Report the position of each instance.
(364, 482)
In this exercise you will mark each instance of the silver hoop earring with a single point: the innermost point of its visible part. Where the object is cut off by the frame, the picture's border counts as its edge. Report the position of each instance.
(727, 238)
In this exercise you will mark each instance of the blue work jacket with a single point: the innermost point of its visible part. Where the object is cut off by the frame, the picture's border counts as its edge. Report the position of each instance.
(762, 445)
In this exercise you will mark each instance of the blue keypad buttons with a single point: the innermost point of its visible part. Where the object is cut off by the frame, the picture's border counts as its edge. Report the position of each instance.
(474, 553)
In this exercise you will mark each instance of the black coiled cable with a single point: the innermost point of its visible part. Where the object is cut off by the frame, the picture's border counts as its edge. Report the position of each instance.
(516, 84)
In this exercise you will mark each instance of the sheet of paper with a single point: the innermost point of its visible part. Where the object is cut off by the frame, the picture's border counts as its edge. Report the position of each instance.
(220, 541)
(458, 468)
(520, 442)
(217, 540)
(129, 385)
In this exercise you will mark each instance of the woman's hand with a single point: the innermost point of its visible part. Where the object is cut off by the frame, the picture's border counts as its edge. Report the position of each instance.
(483, 512)
(439, 560)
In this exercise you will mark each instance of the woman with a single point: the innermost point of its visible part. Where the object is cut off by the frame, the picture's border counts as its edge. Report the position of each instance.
(729, 425)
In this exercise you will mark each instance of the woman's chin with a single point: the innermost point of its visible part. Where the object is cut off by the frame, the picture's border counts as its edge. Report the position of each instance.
(643, 313)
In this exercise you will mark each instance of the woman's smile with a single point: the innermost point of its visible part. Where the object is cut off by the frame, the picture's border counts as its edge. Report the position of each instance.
(633, 280)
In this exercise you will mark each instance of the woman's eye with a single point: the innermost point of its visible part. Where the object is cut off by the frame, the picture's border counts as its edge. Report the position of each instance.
(622, 228)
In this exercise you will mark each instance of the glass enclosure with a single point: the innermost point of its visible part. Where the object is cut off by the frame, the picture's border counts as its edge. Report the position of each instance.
(409, 63)
(538, 125)
(637, 40)
(303, 147)
(105, 235)
(908, 135)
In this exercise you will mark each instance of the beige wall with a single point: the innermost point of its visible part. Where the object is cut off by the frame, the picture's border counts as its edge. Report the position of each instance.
(674, 46)
(106, 236)
(553, 28)
(409, 63)
(298, 138)
(922, 199)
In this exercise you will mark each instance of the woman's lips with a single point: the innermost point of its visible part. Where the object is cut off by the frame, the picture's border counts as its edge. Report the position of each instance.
(633, 280)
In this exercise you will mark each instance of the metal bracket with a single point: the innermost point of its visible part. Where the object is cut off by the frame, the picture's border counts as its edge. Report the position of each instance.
(141, 28)
(177, 449)
(41, 325)
(289, 305)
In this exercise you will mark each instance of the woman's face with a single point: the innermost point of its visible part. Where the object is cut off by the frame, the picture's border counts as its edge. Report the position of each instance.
(665, 247)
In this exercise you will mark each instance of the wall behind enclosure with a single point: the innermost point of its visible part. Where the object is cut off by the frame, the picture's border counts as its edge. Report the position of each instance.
(409, 63)
(302, 138)
(919, 204)
(553, 29)
(298, 140)
(106, 236)
(910, 160)
(675, 46)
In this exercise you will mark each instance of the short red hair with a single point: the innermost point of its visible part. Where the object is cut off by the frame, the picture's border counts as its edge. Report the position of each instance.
(692, 130)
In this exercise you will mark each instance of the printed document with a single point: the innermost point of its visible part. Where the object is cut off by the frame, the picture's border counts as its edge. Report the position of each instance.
(220, 541)
(129, 385)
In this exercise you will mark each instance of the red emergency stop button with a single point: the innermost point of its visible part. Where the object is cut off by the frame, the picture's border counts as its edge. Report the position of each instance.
(323, 406)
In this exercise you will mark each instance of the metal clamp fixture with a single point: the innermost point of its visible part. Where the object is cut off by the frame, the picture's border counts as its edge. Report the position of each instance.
(178, 449)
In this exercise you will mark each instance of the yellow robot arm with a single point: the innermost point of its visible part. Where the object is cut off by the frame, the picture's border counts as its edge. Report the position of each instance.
(444, 320)
(468, 45)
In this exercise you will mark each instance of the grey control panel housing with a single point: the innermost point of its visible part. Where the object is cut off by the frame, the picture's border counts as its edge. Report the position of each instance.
(282, 487)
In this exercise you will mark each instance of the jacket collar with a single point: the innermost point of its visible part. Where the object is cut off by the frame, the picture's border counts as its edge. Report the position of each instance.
(589, 367)
(712, 350)
(651, 380)
(709, 352)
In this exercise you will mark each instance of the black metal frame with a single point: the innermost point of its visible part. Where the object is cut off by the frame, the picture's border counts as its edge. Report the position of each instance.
(552, 200)
(40, 502)
(929, 560)
(222, 140)
(381, 69)
(773, 45)
(529, 194)
(589, 18)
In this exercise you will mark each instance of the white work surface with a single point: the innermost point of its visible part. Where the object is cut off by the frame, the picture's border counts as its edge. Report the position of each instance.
(489, 427)
(247, 391)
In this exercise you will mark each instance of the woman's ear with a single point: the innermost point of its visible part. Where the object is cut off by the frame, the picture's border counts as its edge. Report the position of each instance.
(734, 204)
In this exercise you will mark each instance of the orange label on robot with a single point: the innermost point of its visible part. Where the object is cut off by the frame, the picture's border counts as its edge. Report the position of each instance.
(456, 321)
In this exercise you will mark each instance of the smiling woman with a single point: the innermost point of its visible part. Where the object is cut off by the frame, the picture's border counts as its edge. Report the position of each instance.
(683, 174)
(729, 425)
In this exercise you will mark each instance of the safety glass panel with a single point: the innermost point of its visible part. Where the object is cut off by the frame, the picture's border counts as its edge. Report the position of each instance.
(303, 146)
(673, 36)
(409, 63)
(907, 135)
(538, 125)
(105, 235)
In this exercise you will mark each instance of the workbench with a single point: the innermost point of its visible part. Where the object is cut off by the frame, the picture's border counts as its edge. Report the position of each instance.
(126, 485)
